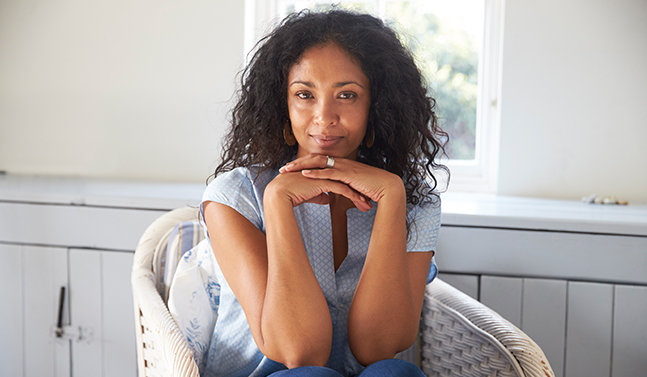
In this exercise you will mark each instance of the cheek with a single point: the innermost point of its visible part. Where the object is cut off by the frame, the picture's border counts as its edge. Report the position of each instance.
(297, 119)
(294, 115)
(296, 110)
(361, 120)
(299, 122)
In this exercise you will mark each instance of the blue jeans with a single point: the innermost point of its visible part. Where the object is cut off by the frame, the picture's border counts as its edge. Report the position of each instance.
(383, 368)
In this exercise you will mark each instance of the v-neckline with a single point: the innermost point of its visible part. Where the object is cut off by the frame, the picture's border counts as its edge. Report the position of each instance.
(339, 230)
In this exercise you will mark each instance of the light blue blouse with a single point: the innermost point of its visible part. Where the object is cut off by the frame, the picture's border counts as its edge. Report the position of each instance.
(232, 351)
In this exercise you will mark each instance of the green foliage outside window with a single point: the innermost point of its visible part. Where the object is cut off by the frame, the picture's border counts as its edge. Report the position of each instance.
(448, 58)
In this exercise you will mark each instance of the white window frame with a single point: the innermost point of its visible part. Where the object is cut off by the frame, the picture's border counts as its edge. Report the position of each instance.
(478, 175)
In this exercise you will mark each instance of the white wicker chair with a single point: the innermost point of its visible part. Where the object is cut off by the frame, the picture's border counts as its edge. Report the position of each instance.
(462, 337)
(459, 336)
(161, 348)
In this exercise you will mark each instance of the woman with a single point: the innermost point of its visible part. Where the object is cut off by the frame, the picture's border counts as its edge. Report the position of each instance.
(322, 190)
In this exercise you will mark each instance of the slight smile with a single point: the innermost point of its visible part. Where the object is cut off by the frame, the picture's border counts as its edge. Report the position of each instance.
(326, 141)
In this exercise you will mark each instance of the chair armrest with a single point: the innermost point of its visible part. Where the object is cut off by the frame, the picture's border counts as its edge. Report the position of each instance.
(162, 349)
(161, 340)
(460, 334)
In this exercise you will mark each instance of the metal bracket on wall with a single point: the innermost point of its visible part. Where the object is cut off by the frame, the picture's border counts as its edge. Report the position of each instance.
(77, 333)
(61, 332)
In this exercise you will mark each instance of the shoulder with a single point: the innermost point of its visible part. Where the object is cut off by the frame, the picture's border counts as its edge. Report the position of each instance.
(226, 186)
(429, 207)
(239, 181)
(241, 189)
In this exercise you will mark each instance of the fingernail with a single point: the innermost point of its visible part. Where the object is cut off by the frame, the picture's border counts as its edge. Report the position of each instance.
(305, 171)
(362, 198)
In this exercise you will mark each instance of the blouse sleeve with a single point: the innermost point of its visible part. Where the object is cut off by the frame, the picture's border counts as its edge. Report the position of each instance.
(424, 232)
(236, 190)
(424, 227)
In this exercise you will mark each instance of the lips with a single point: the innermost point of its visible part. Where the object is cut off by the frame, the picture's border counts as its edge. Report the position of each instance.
(326, 141)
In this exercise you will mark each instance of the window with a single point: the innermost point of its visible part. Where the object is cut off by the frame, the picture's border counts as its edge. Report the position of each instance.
(456, 44)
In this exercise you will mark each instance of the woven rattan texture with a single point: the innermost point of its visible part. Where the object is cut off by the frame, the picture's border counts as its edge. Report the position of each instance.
(161, 348)
(453, 349)
(462, 337)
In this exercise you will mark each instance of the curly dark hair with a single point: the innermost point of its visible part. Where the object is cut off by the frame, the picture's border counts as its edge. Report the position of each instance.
(407, 136)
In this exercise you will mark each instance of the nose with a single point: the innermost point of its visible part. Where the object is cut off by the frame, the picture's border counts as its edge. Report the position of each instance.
(326, 113)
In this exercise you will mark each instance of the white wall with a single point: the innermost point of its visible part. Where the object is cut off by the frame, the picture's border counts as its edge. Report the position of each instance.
(574, 99)
(116, 89)
(135, 89)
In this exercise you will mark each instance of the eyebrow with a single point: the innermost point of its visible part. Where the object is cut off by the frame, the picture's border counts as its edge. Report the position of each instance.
(336, 85)
(340, 84)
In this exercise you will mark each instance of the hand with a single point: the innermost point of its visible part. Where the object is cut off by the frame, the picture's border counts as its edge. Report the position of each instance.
(371, 182)
(300, 189)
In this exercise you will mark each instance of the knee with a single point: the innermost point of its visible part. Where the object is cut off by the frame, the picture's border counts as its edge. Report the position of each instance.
(307, 372)
(392, 367)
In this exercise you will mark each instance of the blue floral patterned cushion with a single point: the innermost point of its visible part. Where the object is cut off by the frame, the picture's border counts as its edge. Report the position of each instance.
(194, 298)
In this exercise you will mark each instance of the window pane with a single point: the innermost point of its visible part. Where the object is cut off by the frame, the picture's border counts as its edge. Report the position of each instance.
(445, 37)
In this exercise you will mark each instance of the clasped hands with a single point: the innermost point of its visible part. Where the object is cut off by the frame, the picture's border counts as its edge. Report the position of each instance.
(309, 180)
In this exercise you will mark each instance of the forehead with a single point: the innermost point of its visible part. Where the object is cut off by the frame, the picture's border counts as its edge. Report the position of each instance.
(328, 62)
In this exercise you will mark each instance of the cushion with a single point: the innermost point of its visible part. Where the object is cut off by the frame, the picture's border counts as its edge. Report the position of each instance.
(177, 241)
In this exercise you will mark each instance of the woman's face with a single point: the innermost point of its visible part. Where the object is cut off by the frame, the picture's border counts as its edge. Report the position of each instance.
(328, 101)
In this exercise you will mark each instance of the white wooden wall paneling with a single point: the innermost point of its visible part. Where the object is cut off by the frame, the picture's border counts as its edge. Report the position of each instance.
(119, 347)
(86, 311)
(74, 226)
(544, 318)
(630, 331)
(588, 334)
(468, 284)
(63, 346)
(45, 272)
(503, 295)
(11, 313)
(534, 253)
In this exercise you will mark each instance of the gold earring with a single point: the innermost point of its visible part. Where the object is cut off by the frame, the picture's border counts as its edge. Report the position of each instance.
(288, 135)
(370, 138)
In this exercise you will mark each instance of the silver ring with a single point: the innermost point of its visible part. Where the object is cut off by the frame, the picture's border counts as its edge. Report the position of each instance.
(330, 162)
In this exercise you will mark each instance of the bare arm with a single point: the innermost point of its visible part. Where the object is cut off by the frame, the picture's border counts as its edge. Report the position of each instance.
(385, 312)
(274, 283)
(386, 307)
(270, 274)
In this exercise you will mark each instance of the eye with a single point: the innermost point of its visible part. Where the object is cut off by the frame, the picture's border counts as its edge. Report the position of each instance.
(304, 95)
(347, 95)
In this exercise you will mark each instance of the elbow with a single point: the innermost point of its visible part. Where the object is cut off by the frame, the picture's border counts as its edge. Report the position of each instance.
(299, 351)
(295, 361)
(370, 349)
(367, 354)
(303, 355)
(298, 344)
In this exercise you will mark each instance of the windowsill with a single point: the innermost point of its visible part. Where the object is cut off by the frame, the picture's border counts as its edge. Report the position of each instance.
(496, 211)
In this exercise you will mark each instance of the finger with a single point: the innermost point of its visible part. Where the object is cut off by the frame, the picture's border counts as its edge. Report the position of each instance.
(304, 190)
(339, 175)
(369, 187)
(342, 189)
(312, 161)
